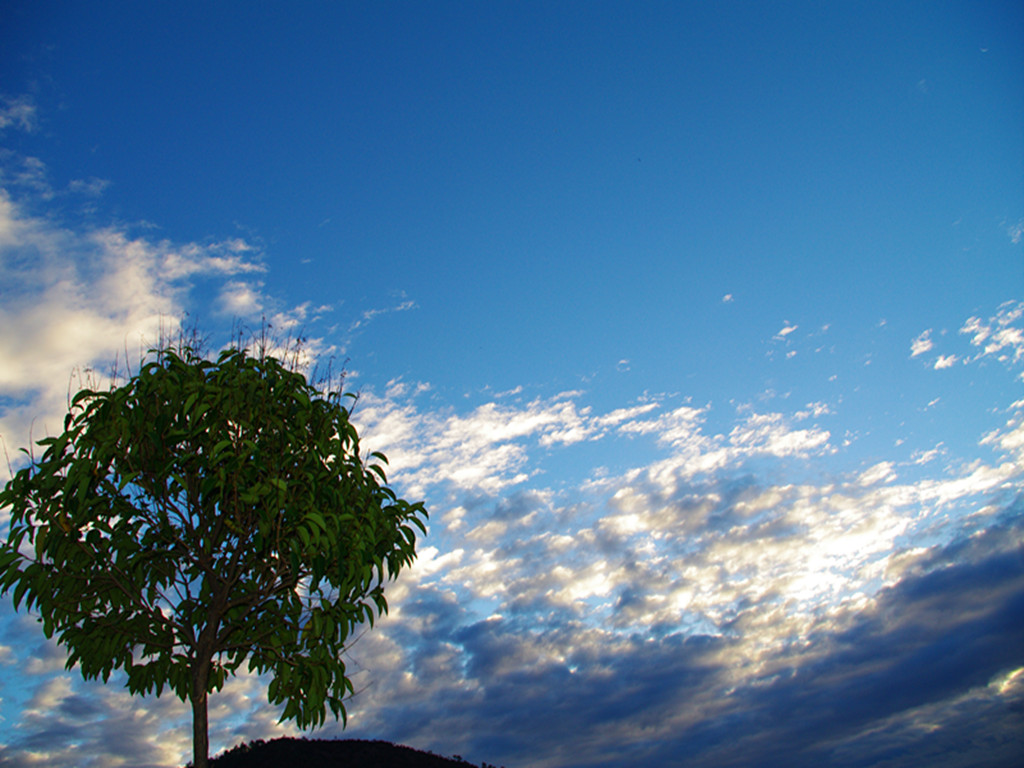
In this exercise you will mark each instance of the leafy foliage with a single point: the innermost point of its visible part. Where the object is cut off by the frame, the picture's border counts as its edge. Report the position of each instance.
(202, 515)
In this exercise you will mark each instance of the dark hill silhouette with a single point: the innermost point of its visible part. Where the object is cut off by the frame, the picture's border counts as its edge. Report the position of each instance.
(340, 753)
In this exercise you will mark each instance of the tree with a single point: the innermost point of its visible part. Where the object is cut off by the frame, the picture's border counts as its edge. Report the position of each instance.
(201, 515)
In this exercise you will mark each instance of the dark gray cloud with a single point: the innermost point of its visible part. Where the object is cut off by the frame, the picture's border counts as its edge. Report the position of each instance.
(932, 641)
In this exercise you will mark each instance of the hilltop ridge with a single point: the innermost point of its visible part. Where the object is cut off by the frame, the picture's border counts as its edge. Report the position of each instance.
(333, 753)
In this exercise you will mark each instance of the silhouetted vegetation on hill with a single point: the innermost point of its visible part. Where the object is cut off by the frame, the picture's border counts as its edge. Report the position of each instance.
(324, 753)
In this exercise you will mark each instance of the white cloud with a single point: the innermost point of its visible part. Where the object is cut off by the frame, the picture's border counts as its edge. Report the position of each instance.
(683, 538)
(1010, 437)
(485, 449)
(91, 187)
(999, 336)
(370, 314)
(786, 330)
(881, 472)
(232, 256)
(19, 112)
(489, 449)
(76, 301)
(295, 317)
(680, 428)
(815, 410)
(921, 344)
(48, 696)
(241, 299)
(924, 457)
(620, 415)
(1016, 232)
(769, 433)
(478, 450)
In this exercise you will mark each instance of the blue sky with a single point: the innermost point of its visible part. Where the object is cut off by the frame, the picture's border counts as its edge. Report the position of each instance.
(699, 328)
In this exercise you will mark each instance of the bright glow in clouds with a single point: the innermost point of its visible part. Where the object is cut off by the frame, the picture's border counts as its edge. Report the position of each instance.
(714, 399)
(85, 299)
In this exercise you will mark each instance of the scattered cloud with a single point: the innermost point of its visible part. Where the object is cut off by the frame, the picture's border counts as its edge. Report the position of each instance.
(926, 456)
(1016, 232)
(296, 317)
(370, 314)
(481, 449)
(812, 410)
(91, 187)
(19, 112)
(786, 330)
(921, 344)
(1000, 336)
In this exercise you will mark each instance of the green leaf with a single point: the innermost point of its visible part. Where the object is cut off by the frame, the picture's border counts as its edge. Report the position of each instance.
(221, 447)
(19, 592)
(318, 520)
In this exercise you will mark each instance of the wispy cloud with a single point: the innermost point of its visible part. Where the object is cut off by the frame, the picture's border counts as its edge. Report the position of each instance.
(17, 111)
(370, 314)
(922, 343)
(483, 449)
(488, 448)
(1015, 232)
(786, 330)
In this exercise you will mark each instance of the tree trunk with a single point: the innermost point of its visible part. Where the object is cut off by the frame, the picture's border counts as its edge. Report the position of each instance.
(202, 663)
(200, 722)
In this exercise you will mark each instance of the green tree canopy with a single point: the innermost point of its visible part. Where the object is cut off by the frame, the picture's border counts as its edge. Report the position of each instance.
(202, 515)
